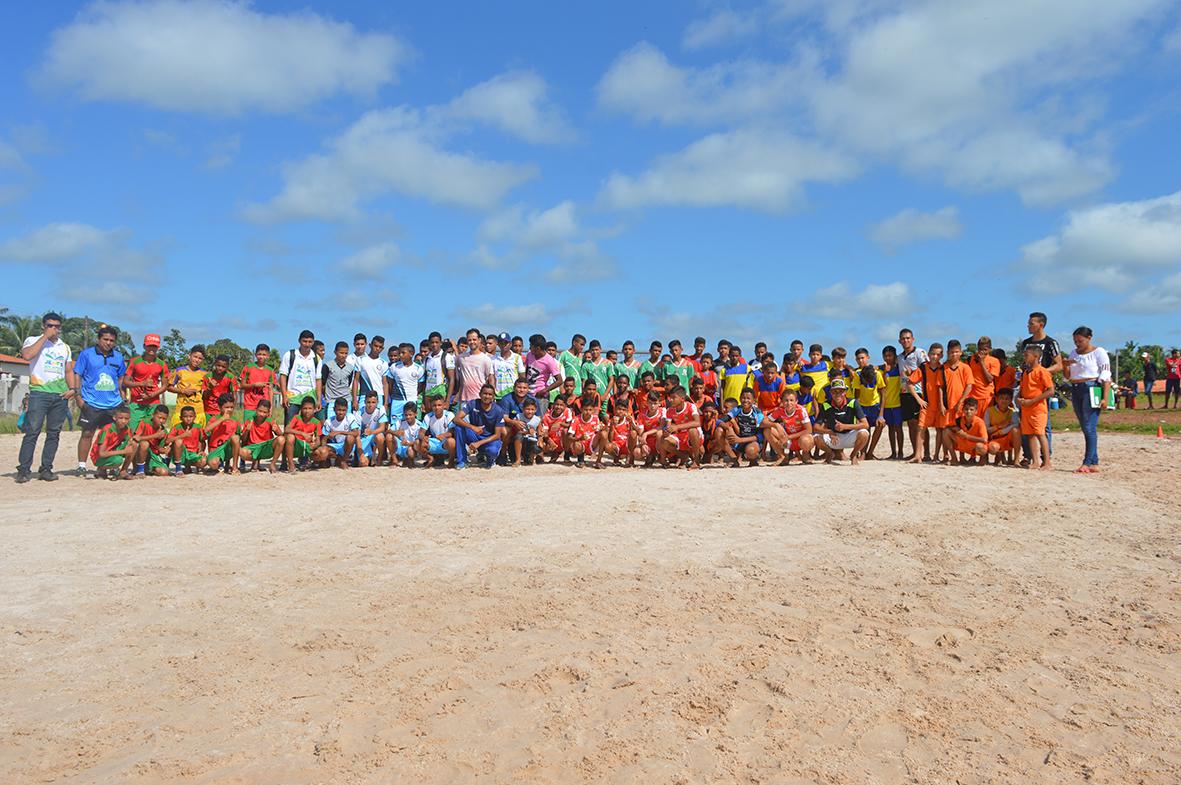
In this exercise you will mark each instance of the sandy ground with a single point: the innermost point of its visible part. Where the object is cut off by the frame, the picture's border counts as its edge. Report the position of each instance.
(878, 624)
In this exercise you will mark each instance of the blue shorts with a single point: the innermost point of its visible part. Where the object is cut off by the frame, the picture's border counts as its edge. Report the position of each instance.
(337, 447)
(401, 450)
(396, 412)
(892, 415)
(871, 413)
(367, 445)
(435, 447)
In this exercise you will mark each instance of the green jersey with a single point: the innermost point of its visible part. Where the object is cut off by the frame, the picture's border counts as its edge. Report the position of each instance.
(632, 373)
(602, 372)
(571, 365)
(654, 367)
(681, 374)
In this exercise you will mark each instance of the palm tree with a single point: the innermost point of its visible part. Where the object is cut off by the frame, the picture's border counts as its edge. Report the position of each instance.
(15, 329)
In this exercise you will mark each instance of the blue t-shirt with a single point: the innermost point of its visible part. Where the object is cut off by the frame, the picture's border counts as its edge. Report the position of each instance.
(100, 377)
(515, 410)
(476, 416)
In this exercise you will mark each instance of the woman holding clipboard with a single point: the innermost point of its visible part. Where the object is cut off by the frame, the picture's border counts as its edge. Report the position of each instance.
(1088, 369)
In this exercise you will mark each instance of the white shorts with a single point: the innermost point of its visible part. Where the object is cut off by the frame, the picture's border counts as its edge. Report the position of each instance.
(841, 441)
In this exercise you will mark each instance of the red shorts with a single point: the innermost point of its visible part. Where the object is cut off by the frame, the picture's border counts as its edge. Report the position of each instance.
(793, 444)
(586, 443)
(552, 445)
(650, 443)
(621, 443)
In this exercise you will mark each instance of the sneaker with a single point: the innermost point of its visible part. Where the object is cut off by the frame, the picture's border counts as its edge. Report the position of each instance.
(23, 477)
(80, 471)
(47, 475)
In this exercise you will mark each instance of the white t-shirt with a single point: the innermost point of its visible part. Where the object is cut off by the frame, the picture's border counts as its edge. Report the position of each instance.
(372, 370)
(474, 370)
(301, 372)
(438, 425)
(409, 432)
(348, 423)
(507, 370)
(1095, 364)
(435, 367)
(367, 421)
(404, 381)
(47, 371)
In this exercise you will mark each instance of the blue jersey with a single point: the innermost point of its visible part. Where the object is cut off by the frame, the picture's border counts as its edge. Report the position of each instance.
(100, 377)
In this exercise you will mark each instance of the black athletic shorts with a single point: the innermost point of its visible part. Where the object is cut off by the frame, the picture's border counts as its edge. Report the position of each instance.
(92, 419)
(1172, 387)
(910, 408)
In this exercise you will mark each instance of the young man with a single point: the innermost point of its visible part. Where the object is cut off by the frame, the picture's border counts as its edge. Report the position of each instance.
(571, 362)
(1172, 378)
(928, 378)
(187, 438)
(257, 382)
(1050, 358)
(370, 374)
(437, 438)
(475, 370)
(299, 378)
(338, 378)
(698, 353)
(653, 364)
(438, 370)
(372, 431)
(340, 436)
(843, 426)
(678, 370)
(542, 372)
(145, 381)
(507, 366)
(891, 403)
(114, 450)
(966, 439)
(150, 438)
(957, 385)
(261, 438)
(217, 383)
(99, 370)
(403, 380)
(682, 429)
(51, 385)
(909, 362)
(985, 368)
(479, 428)
(301, 439)
(735, 375)
(188, 383)
(1004, 428)
(628, 366)
(745, 433)
(1037, 385)
(789, 429)
(360, 344)
(602, 372)
(405, 440)
(223, 445)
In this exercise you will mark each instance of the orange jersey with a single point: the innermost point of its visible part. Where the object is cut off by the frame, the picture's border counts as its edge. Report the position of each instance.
(687, 413)
(977, 428)
(650, 422)
(956, 381)
(1034, 382)
(582, 429)
(982, 389)
(1006, 379)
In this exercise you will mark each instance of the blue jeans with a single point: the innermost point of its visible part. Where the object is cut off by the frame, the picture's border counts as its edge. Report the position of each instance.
(1088, 420)
(464, 437)
(45, 409)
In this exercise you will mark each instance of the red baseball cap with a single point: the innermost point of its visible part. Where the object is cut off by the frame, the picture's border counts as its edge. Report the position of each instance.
(151, 339)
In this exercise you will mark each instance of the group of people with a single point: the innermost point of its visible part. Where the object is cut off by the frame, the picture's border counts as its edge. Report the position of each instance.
(491, 400)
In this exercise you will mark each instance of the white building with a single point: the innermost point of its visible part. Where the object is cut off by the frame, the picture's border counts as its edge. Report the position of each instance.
(14, 382)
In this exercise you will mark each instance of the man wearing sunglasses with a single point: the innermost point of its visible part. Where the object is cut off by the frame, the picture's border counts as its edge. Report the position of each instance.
(51, 386)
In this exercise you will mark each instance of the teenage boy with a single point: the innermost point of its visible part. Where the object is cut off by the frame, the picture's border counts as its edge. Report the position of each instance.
(403, 380)
(1004, 427)
(301, 439)
(682, 429)
(678, 370)
(373, 426)
(437, 438)
(507, 366)
(842, 426)
(340, 435)
(985, 368)
(891, 403)
(628, 366)
(338, 377)
(299, 379)
(927, 389)
(735, 374)
(653, 363)
(217, 383)
(257, 382)
(150, 438)
(98, 369)
(571, 361)
(745, 425)
(869, 385)
(602, 371)
(966, 439)
(789, 429)
(187, 437)
(438, 369)
(1050, 358)
(816, 369)
(261, 438)
(221, 438)
(406, 439)
(370, 374)
(479, 428)
(145, 381)
(957, 384)
(360, 344)
(909, 361)
(698, 353)
(1037, 385)
(114, 450)
(188, 383)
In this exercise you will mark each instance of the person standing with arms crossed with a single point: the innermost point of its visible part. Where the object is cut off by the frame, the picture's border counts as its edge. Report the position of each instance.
(51, 386)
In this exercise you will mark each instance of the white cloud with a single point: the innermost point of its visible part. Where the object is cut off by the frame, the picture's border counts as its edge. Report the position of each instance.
(496, 316)
(59, 242)
(875, 301)
(106, 292)
(1110, 246)
(1162, 297)
(522, 234)
(516, 102)
(720, 27)
(911, 225)
(749, 168)
(390, 150)
(372, 262)
(643, 83)
(216, 56)
(533, 229)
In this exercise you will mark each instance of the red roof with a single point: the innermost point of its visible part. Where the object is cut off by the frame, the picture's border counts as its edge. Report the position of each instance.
(8, 358)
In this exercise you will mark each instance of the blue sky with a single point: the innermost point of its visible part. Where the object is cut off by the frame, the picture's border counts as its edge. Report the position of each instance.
(791, 168)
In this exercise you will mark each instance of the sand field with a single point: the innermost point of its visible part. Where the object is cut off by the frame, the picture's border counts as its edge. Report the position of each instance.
(871, 624)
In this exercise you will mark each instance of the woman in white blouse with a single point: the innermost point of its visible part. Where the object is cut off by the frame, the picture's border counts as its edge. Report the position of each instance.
(1088, 370)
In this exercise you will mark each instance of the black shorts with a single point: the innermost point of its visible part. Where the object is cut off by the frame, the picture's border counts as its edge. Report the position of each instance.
(910, 408)
(1172, 387)
(91, 419)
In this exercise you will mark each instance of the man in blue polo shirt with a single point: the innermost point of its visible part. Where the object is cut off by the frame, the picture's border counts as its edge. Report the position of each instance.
(98, 369)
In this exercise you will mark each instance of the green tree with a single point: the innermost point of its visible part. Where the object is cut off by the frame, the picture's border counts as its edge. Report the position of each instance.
(174, 350)
(239, 355)
(15, 329)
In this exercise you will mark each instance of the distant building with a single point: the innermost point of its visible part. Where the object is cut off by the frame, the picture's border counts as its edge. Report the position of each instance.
(14, 382)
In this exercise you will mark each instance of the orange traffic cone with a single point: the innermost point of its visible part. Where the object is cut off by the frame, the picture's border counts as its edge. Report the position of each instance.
(1160, 432)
